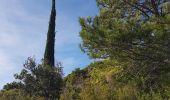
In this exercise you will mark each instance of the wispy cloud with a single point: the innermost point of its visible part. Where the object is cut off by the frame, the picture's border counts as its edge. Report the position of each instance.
(21, 36)
(23, 27)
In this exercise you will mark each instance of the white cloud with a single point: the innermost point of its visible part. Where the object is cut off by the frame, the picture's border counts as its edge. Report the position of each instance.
(22, 34)
(7, 69)
(6, 64)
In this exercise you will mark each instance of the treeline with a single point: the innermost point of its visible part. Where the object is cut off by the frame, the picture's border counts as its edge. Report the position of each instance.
(131, 38)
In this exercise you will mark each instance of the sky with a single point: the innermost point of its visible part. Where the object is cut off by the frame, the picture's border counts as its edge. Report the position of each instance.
(23, 28)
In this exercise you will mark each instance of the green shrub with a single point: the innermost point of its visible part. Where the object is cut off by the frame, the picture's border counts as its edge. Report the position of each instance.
(16, 94)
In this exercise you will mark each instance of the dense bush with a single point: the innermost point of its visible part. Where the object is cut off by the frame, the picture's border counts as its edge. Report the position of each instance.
(38, 80)
(16, 94)
(108, 80)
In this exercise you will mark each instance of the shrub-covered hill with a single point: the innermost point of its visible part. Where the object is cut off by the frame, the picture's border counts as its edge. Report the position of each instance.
(17, 94)
(92, 82)
(108, 80)
(104, 80)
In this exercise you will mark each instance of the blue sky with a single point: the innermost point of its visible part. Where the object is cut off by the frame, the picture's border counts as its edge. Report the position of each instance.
(23, 28)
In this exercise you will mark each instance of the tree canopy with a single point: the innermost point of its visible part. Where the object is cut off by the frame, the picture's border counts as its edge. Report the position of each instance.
(136, 32)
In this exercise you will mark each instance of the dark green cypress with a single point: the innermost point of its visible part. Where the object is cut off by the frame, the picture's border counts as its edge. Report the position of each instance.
(50, 44)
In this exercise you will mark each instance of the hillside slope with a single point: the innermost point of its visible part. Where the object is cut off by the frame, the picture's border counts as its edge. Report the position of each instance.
(108, 80)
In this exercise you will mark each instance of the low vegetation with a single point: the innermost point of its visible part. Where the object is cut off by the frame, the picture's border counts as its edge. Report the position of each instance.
(131, 41)
(107, 80)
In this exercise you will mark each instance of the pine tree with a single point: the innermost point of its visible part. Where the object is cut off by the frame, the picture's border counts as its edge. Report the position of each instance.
(132, 31)
(49, 50)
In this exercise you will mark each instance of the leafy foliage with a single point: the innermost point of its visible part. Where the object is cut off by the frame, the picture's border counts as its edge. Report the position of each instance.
(13, 85)
(135, 32)
(16, 94)
(39, 80)
(132, 40)
(105, 81)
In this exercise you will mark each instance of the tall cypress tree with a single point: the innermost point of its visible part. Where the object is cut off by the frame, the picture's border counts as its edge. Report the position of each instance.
(49, 50)
(38, 80)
